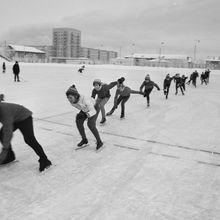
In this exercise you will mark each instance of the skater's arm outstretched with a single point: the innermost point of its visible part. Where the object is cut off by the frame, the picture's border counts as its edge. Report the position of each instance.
(136, 92)
(158, 88)
(142, 86)
(112, 84)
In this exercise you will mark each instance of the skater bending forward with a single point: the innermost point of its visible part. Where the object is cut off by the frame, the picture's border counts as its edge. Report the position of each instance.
(13, 117)
(122, 95)
(148, 86)
(88, 110)
(102, 90)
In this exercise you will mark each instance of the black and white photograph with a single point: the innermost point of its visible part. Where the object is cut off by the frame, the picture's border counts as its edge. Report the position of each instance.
(110, 110)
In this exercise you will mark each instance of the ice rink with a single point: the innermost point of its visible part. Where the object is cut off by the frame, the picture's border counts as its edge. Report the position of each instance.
(159, 163)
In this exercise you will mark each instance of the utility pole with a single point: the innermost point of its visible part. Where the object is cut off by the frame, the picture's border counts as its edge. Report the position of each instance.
(195, 50)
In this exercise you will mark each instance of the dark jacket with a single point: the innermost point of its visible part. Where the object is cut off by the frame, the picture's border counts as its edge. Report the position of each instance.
(148, 85)
(104, 92)
(167, 81)
(126, 92)
(9, 115)
(16, 68)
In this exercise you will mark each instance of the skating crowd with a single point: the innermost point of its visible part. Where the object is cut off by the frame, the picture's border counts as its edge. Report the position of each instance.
(14, 116)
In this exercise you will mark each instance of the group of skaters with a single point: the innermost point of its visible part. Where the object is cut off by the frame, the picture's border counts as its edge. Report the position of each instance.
(15, 70)
(14, 116)
(180, 81)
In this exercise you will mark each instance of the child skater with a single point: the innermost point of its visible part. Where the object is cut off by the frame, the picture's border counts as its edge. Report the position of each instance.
(13, 117)
(122, 95)
(179, 83)
(166, 85)
(88, 110)
(102, 90)
(148, 86)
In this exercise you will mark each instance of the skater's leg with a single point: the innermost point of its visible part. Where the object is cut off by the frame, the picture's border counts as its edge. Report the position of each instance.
(102, 106)
(26, 128)
(92, 126)
(125, 99)
(80, 118)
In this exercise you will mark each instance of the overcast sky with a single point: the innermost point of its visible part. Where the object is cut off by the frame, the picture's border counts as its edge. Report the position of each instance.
(133, 25)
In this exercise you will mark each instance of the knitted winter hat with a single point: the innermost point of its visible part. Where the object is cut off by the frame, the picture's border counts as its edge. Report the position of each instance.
(97, 82)
(147, 77)
(72, 91)
(121, 80)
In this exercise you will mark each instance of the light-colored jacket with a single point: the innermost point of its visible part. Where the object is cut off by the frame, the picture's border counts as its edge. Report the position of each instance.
(86, 104)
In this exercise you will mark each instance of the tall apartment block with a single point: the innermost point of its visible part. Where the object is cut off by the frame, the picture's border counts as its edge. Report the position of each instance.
(66, 42)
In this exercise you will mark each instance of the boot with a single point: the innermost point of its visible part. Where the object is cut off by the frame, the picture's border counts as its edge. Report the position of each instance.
(99, 145)
(7, 156)
(82, 142)
(103, 121)
(122, 115)
(44, 164)
(111, 112)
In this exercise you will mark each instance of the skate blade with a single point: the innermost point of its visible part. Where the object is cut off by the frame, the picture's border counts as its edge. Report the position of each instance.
(85, 145)
(100, 149)
(8, 164)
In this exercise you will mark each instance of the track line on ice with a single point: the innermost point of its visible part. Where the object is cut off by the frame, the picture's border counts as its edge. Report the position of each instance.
(52, 116)
(130, 148)
(141, 139)
(175, 157)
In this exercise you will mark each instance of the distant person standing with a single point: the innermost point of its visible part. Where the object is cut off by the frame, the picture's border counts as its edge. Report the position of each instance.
(16, 71)
(3, 67)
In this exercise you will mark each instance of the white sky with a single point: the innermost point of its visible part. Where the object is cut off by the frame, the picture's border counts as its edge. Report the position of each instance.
(117, 23)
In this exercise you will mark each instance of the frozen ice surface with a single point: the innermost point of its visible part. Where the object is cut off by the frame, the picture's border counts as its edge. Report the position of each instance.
(157, 163)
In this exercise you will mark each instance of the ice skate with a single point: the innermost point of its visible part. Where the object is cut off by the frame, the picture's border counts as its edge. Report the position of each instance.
(99, 146)
(83, 143)
(7, 156)
(44, 164)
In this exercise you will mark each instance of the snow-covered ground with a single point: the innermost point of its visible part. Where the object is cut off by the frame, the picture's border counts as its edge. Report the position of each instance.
(161, 162)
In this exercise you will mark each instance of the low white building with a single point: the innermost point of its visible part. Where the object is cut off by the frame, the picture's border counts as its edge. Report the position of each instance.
(25, 53)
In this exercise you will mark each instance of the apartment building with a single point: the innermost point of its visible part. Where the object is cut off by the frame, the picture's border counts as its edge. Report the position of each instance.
(66, 42)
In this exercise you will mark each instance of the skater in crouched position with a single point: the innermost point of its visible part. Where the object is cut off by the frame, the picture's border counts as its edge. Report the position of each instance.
(102, 90)
(122, 95)
(166, 85)
(179, 83)
(148, 86)
(13, 117)
(88, 110)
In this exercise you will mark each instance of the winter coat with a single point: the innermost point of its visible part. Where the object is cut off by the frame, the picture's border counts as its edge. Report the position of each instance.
(167, 81)
(104, 92)
(148, 85)
(184, 79)
(86, 104)
(16, 68)
(125, 93)
(178, 80)
(9, 115)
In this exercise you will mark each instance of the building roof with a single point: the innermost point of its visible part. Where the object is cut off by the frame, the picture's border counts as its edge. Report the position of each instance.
(156, 56)
(25, 49)
(214, 59)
